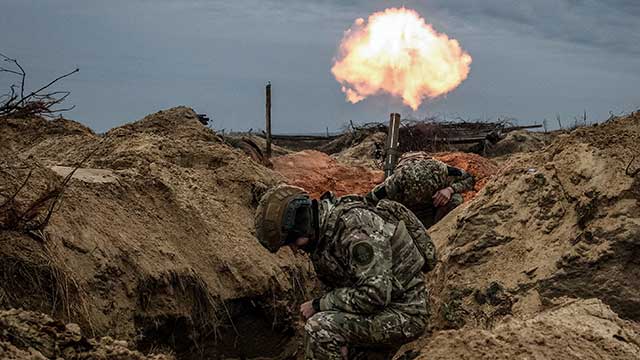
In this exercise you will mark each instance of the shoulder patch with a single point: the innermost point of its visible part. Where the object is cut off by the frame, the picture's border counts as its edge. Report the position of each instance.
(362, 253)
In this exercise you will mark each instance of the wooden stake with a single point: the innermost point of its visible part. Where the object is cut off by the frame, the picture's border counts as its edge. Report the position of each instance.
(268, 119)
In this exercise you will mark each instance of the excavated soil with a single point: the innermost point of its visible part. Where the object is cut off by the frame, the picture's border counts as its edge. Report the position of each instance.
(519, 141)
(152, 241)
(575, 329)
(560, 222)
(30, 335)
(317, 172)
(152, 244)
(367, 153)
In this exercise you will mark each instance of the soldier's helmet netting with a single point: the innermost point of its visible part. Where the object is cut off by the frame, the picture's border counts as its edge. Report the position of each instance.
(284, 214)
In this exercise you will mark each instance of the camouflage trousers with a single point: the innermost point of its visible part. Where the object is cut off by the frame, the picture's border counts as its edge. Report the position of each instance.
(430, 215)
(377, 336)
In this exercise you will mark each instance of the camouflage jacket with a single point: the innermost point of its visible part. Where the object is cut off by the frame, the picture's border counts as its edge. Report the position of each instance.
(366, 266)
(414, 182)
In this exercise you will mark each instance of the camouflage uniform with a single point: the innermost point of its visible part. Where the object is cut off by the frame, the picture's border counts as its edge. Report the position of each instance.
(378, 299)
(417, 178)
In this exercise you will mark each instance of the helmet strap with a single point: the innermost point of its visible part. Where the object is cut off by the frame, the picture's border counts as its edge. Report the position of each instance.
(313, 240)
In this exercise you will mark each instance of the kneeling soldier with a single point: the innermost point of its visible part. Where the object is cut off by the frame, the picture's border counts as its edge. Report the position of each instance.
(371, 258)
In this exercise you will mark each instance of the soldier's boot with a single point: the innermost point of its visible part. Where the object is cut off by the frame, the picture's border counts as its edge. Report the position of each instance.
(328, 332)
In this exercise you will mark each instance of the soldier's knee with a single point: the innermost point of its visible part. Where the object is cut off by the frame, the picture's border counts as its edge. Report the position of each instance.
(318, 325)
(324, 327)
(311, 325)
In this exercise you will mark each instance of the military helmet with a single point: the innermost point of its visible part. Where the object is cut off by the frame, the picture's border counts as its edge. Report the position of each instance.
(284, 213)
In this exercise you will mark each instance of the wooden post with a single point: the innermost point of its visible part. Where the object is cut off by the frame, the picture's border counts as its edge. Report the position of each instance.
(391, 148)
(268, 119)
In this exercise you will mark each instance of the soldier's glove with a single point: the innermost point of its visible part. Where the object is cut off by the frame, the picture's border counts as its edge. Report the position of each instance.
(316, 305)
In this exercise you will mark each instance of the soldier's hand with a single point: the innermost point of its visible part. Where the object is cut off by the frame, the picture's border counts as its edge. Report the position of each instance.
(442, 197)
(306, 309)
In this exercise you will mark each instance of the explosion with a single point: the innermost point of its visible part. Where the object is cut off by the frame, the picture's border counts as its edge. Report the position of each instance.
(398, 53)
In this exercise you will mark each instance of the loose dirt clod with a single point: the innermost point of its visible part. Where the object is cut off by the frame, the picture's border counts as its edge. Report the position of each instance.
(29, 335)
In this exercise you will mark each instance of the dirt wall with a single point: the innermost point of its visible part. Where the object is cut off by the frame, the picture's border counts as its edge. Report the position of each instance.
(563, 221)
(152, 241)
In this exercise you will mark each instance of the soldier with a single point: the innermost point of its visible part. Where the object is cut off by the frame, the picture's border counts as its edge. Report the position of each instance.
(367, 257)
(428, 187)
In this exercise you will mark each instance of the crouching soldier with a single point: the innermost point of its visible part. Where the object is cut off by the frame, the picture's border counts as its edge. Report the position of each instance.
(428, 187)
(371, 258)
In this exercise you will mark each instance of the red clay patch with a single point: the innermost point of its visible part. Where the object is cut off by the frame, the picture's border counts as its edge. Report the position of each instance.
(317, 172)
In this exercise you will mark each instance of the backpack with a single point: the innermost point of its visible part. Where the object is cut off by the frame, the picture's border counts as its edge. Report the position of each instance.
(394, 213)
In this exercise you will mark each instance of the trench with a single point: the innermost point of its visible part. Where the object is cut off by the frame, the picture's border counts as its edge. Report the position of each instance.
(253, 332)
(251, 329)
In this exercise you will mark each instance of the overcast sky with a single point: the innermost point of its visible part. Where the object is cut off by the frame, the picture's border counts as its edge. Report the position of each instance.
(531, 59)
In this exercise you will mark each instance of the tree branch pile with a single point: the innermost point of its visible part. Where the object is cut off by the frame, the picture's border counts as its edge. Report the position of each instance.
(28, 208)
(19, 103)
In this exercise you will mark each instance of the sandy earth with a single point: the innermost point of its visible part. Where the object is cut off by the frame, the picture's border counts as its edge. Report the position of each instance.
(317, 172)
(152, 244)
(560, 222)
(31, 335)
(519, 141)
(575, 329)
(86, 175)
(164, 255)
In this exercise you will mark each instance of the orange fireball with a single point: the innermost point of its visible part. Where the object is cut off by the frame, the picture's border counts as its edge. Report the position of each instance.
(398, 53)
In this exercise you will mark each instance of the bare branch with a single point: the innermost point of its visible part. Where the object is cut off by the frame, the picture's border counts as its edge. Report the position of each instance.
(22, 73)
(56, 111)
(36, 102)
(46, 86)
(12, 197)
(9, 71)
(632, 173)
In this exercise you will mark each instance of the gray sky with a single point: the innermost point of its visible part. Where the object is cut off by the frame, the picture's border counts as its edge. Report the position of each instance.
(531, 59)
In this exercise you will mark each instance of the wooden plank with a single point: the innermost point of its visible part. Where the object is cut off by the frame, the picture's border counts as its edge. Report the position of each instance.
(268, 119)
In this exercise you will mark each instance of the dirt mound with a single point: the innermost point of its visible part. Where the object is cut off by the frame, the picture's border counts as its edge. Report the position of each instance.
(56, 139)
(153, 243)
(261, 143)
(564, 221)
(366, 153)
(481, 168)
(576, 329)
(153, 240)
(519, 141)
(317, 172)
(30, 335)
